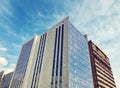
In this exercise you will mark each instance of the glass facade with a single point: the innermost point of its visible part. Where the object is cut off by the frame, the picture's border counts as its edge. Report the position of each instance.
(21, 65)
(79, 62)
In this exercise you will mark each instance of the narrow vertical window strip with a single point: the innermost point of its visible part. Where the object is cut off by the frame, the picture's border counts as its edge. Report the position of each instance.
(40, 66)
(52, 80)
(61, 56)
(36, 61)
(36, 77)
(57, 61)
(42, 54)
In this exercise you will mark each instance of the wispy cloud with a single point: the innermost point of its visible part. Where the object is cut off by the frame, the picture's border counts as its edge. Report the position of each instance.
(3, 49)
(16, 45)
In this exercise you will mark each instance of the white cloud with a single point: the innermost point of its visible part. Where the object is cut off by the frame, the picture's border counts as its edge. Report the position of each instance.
(8, 69)
(3, 61)
(3, 49)
(4, 65)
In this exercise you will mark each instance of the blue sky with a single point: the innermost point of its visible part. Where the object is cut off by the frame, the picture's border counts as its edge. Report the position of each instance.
(20, 20)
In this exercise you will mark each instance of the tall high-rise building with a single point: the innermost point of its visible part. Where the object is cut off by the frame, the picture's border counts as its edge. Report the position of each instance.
(101, 69)
(6, 80)
(58, 58)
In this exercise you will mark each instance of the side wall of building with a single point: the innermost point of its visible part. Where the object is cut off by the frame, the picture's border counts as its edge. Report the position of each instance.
(21, 66)
(80, 68)
(31, 64)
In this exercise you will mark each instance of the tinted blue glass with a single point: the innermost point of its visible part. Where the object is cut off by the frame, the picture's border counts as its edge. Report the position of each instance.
(80, 71)
(22, 64)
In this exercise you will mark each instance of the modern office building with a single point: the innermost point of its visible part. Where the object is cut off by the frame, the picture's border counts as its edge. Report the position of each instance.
(58, 58)
(101, 69)
(6, 80)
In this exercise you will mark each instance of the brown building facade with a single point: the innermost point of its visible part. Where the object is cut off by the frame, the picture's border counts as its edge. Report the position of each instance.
(101, 69)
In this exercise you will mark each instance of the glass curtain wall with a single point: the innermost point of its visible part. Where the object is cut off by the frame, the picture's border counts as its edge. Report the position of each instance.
(79, 62)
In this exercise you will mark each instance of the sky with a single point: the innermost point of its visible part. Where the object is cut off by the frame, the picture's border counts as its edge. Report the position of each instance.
(21, 20)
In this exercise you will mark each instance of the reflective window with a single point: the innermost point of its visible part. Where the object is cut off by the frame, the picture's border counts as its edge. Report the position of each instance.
(80, 71)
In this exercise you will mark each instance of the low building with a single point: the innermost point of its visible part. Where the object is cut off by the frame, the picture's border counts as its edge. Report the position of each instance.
(6, 80)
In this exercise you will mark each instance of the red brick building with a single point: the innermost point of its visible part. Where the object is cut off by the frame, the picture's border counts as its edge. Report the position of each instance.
(101, 69)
